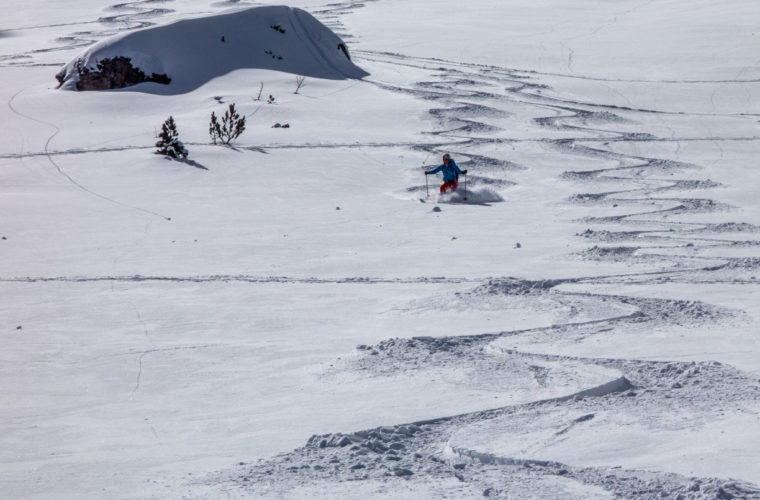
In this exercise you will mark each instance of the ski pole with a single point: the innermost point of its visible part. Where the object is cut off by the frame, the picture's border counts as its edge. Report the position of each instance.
(465, 187)
(427, 193)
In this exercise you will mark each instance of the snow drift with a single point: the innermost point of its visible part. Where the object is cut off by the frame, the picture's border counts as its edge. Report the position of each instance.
(182, 56)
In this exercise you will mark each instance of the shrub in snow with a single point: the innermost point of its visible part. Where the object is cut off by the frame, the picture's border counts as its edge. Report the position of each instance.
(299, 83)
(112, 73)
(231, 126)
(168, 141)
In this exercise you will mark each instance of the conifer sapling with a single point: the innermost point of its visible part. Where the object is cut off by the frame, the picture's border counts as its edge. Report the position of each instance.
(168, 141)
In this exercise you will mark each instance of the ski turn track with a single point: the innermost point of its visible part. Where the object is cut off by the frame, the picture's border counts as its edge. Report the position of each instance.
(642, 211)
(448, 457)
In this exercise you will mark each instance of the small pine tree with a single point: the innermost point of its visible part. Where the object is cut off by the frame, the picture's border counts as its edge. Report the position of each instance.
(230, 128)
(214, 129)
(168, 141)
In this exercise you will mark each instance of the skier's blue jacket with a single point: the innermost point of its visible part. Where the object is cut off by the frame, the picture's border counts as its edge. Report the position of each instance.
(450, 171)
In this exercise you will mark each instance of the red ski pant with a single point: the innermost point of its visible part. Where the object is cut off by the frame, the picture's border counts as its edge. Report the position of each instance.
(449, 186)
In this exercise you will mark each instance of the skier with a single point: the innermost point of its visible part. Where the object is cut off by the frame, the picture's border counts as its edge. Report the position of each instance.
(450, 174)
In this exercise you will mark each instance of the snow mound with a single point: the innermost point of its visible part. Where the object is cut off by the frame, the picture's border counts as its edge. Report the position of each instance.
(192, 52)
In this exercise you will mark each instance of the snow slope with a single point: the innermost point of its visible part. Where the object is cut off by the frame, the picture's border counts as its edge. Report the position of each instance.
(283, 318)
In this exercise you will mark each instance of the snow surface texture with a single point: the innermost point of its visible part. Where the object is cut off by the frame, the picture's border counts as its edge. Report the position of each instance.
(287, 320)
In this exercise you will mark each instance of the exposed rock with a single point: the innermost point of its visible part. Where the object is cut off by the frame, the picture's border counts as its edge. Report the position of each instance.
(113, 73)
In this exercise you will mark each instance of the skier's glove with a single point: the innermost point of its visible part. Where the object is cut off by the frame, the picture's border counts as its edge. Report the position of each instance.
(464, 172)
(427, 173)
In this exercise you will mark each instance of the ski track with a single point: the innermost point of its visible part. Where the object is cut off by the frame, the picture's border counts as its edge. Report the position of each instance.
(122, 17)
(465, 103)
(46, 153)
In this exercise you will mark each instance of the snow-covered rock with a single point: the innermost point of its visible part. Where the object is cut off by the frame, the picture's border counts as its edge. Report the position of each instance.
(190, 52)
